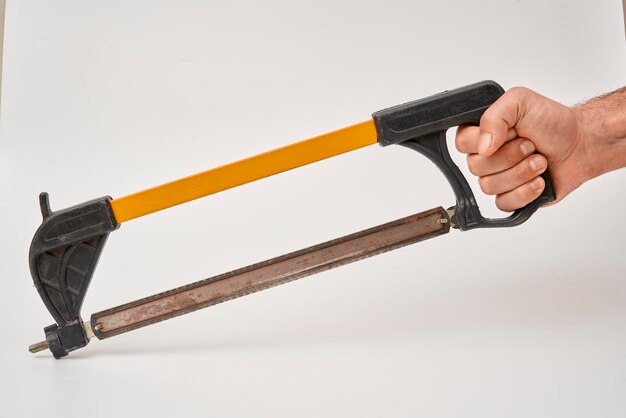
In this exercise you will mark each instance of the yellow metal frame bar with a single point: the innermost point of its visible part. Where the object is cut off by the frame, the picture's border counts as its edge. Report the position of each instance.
(244, 171)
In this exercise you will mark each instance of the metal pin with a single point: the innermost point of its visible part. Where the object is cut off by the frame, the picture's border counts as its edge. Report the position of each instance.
(452, 215)
(37, 347)
(88, 331)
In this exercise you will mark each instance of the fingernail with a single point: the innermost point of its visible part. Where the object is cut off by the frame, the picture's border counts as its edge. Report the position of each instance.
(486, 141)
(537, 163)
(526, 147)
(537, 183)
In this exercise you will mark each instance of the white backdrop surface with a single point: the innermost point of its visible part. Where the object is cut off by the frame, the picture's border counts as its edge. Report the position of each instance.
(108, 98)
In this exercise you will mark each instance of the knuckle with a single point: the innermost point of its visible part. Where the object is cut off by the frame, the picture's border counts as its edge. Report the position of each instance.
(522, 171)
(488, 118)
(524, 194)
(518, 91)
(511, 157)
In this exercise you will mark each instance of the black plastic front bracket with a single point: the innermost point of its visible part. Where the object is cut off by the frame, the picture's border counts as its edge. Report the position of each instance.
(63, 255)
(421, 125)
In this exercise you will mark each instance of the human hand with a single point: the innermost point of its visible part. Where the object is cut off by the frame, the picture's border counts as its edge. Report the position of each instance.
(523, 133)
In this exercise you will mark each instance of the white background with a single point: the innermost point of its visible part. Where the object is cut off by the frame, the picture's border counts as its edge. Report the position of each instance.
(113, 97)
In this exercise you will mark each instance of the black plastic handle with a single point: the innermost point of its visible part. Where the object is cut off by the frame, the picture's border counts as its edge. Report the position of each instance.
(62, 257)
(422, 125)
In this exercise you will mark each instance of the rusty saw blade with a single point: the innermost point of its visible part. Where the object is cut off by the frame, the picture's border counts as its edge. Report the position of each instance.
(264, 275)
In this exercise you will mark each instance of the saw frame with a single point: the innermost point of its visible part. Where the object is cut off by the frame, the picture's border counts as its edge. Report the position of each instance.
(65, 249)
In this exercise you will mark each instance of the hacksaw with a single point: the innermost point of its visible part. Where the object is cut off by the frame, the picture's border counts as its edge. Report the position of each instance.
(66, 247)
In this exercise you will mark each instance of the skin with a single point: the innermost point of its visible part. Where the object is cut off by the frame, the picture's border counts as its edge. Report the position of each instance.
(524, 133)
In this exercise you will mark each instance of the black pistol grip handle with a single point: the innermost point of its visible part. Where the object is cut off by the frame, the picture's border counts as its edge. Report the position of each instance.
(422, 125)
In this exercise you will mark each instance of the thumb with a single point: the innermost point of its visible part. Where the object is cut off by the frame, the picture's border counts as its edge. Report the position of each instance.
(499, 118)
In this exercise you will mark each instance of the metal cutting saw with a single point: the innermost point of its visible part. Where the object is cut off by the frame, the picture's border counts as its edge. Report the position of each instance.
(65, 249)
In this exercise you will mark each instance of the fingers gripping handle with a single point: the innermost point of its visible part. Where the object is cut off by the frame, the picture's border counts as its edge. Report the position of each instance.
(421, 125)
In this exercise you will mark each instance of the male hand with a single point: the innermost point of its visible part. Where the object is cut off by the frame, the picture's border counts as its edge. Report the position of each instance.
(523, 133)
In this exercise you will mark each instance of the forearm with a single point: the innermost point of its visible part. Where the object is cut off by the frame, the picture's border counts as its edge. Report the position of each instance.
(603, 132)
